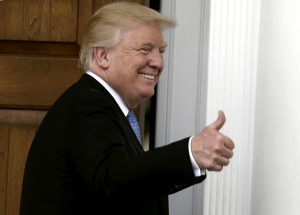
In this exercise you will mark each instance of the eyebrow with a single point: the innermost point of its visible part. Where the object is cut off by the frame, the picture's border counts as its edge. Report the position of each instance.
(165, 45)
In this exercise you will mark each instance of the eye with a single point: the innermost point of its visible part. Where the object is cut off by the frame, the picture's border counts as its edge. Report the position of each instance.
(145, 50)
(162, 50)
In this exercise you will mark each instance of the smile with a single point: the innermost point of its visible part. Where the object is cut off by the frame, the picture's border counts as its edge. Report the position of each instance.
(150, 77)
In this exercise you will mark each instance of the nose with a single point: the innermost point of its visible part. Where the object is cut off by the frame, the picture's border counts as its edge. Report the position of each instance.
(156, 60)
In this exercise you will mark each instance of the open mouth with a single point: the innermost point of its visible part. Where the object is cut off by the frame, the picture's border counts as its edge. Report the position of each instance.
(147, 76)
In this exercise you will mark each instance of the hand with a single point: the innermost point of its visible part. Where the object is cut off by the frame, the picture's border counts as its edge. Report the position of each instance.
(211, 149)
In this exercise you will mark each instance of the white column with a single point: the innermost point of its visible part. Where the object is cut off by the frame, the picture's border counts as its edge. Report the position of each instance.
(231, 84)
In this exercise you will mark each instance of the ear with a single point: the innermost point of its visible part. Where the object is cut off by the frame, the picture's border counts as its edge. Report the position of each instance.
(100, 55)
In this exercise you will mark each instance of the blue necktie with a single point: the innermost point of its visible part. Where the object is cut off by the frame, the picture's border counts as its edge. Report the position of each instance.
(134, 124)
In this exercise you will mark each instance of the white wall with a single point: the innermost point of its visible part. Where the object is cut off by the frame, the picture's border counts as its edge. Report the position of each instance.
(276, 170)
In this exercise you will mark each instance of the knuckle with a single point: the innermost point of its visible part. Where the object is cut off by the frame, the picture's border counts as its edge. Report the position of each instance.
(218, 168)
(214, 158)
(219, 137)
(218, 147)
(231, 144)
(226, 162)
(210, 165)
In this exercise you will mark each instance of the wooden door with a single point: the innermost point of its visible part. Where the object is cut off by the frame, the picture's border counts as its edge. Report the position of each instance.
(39, 44)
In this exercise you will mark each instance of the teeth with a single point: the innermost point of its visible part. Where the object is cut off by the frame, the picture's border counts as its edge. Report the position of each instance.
(151, 77)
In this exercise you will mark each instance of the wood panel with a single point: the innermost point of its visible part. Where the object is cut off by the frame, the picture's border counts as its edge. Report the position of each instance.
(11, 26)
(34, 82)
(64, 20)
(17, 129)
(99, 3)
(4, 131)
(40, 49)
(35, 24)
(84, 13)
(20, 138)
(39, 20)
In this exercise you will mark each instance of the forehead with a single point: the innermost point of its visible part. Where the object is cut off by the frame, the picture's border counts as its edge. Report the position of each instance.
(140, 34)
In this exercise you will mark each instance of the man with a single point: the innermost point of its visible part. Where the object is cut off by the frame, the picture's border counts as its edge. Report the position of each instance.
(86, 158)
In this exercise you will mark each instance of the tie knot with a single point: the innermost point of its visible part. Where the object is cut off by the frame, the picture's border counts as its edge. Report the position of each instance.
(134, 124)
(131, 116)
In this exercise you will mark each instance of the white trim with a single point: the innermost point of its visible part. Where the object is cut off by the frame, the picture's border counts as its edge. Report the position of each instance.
(182, 87)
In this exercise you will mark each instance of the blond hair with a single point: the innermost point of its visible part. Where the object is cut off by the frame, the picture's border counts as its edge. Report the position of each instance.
(105, 26)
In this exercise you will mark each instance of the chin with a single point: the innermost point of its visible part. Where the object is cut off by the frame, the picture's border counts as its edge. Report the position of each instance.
(148, 94)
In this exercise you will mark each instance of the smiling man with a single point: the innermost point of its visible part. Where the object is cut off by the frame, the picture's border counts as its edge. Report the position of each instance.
(86, 157)
(132, 67)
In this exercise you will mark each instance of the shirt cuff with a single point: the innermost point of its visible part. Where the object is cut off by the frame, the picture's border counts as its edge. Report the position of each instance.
(197, 171)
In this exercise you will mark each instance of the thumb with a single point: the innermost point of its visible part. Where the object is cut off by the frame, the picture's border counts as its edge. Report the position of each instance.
(220, 121)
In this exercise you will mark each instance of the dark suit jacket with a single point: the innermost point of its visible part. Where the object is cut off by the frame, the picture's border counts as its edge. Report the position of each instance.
(85, 159)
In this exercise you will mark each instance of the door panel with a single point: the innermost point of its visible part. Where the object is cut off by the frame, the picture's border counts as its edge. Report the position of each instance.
(17, 129)
(35, 82)
(97, 4)
(39, 20)
(4, 129)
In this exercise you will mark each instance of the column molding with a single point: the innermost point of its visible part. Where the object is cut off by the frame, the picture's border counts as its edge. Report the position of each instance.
(231, 86)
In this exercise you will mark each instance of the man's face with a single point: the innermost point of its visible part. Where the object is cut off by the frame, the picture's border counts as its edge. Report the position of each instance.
(136, 63)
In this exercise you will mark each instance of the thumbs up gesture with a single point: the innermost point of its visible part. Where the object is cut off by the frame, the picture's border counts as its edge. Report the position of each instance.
(211, 149)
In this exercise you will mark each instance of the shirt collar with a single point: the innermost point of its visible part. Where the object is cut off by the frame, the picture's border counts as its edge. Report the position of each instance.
(112, 92)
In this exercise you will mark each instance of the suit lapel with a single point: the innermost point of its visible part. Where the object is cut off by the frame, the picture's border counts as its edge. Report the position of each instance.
(132, 139)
